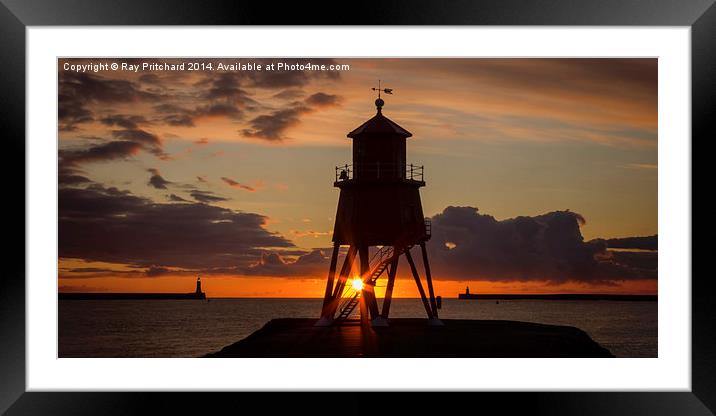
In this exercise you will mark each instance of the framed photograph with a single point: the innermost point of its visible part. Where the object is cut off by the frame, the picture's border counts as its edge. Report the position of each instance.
(481, 197)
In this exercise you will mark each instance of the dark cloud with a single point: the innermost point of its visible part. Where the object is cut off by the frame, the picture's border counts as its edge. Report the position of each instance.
(157, 271)
(313, 263)
(149, 79)
(149, 141)
(218, 110)
(95, 88)
(226, 87)
(169, 108)
(120, 149)
(641, 243)
(321, 99)
(137, 135)
(78, 92)
(176, 198)
(273, 126)
(70, 160)
(71, 112)
(71, 177)
(81, 95)
(156, 180)
(182, 120)
(127, 122)
(88, 270)
(469, 245)
(109, 225)
(232, 183)
(206, 197)
(175, 115)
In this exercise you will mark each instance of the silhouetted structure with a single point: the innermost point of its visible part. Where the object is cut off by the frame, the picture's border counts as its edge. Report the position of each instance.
(379, 205)
(198, 285)
(197, 294)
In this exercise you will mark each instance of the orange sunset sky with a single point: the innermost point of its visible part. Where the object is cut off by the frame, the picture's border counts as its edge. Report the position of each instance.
(538, 172)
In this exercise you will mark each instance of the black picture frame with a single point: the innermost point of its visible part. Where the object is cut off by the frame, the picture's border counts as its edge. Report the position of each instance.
(16, 15)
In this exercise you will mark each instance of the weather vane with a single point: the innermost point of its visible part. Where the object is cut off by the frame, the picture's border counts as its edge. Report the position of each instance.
(385, 90)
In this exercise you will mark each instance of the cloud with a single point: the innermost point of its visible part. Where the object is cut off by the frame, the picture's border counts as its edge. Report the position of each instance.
(127, 122)
(149, 79)
(156, 180)
(105, 151)
(273, 126)
(137, 135)
(272, 264)
(232, 183)
(70, 160)
(218, 110)
(320, 99)
(109, 225)
(77, 91)
(175, 115)
(206, 197)
(226, 87)
(182, 120)
(640, 243)
(155, 271)
(129, 143)
(176, 198)
(71, 112)
(468, 245)
(149, 141)
(67, 176)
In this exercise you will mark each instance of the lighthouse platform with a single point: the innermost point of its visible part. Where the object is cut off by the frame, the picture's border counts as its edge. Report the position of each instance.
(413, 338)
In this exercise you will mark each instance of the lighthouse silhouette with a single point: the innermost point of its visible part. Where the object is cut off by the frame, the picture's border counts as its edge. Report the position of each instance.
(380, 207)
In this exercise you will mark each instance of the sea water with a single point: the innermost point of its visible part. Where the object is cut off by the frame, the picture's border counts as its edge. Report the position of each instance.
(191, 328)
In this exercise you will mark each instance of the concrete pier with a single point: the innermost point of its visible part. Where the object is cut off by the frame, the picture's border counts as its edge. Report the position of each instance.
(415, 338)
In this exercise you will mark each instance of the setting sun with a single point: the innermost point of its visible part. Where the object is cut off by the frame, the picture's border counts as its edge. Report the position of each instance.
(357, 284)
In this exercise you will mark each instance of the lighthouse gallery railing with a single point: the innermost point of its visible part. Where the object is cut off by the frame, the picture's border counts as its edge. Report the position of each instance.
(378, 170)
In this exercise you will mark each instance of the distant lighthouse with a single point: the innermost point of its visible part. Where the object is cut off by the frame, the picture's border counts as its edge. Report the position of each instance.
(379, 205)
(198, 285)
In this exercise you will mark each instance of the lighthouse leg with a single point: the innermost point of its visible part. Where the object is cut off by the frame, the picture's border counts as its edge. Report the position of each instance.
(417, 282)
(338, 290)
(389, 288)
(328, 296)
(363, 254)
(366, 298)
(429, 279)
(368, 293)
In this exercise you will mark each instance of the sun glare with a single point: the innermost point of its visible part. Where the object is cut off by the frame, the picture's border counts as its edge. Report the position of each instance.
(357, 284)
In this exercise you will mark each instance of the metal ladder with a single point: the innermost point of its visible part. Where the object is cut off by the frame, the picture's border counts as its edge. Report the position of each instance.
(381, 259)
